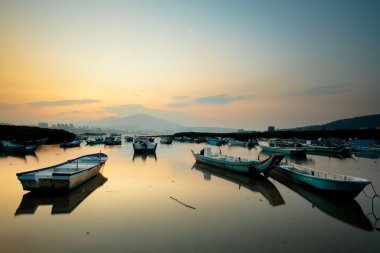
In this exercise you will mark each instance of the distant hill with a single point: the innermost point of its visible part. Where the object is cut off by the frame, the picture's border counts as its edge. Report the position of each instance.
(363, 122)
(142, 123)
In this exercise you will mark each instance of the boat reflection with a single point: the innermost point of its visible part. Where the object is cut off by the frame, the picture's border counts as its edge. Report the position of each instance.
(144, 156)
(21, 156)
(256, 183)
(347, 210)
(62, 202)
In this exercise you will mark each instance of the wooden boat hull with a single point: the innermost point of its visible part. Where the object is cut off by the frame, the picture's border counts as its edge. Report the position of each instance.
(49, 179)
(349, 189)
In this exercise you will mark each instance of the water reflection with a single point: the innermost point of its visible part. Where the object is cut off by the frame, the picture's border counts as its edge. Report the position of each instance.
(144, 156)
(21, 156)
(348, 210)
(256, 183)
(62, 202)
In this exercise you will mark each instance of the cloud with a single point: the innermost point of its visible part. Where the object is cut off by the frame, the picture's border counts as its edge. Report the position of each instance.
(322, 90)
(183, 101)
(63, 102)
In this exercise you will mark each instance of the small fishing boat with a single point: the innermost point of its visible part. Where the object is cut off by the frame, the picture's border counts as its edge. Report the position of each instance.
(166, 140)
(214, 141)
(273, 146)
(330, 183)
(142, 146)
(70, 144)
(316, 149)
(236, 164)
(128, 138)
(65, 176)
(12, 146)
(112, 140)
(97, 141)
(343, 209)
(233, 142)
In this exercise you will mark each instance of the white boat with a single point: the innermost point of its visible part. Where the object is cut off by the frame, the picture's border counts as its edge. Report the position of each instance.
(236, 164)
(330, 183)
(65, 176)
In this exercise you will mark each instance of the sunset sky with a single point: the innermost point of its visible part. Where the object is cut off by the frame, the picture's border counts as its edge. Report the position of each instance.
(240, 64)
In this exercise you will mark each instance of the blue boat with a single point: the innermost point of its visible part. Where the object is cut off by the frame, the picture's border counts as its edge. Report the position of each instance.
(330, 183)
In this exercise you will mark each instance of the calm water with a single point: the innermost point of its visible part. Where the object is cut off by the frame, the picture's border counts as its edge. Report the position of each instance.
(132, 207)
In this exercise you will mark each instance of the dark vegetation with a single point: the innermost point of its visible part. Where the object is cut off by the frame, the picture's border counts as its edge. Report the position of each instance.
(26, 133)
(362, 122)
(307, 134)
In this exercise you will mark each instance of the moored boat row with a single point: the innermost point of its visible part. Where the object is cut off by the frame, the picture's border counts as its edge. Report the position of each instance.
(70, 174)
(330, 183)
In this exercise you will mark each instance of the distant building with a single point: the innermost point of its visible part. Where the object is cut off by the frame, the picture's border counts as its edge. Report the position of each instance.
(43, 125)
(270, 128)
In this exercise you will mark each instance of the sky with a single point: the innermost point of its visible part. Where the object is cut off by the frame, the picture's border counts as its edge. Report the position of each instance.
(239, 64)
